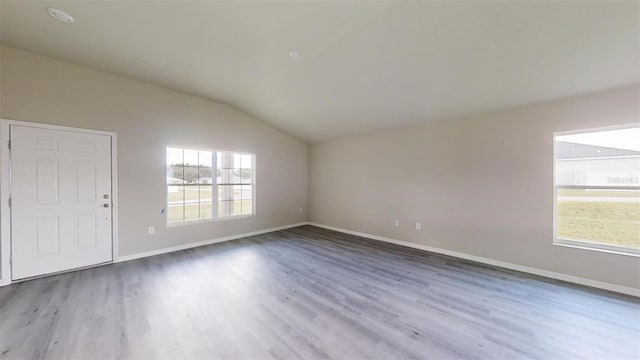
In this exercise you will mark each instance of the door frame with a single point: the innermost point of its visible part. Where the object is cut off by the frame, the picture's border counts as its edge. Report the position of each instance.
(5, 190)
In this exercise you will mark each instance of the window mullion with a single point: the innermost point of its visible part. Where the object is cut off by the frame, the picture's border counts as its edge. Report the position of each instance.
(214, 184)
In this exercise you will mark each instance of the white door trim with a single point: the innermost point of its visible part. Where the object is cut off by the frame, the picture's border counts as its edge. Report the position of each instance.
(5, 190)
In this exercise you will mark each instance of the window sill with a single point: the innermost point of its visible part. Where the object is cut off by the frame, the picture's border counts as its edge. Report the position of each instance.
(204, 221)
(597, 247)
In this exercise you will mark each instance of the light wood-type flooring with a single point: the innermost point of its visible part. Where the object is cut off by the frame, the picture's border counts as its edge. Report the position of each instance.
(311, 293)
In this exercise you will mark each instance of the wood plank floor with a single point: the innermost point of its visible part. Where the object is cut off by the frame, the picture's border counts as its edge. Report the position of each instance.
(311, 293)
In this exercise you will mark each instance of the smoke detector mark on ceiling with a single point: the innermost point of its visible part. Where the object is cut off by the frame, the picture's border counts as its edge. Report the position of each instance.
(60, 15)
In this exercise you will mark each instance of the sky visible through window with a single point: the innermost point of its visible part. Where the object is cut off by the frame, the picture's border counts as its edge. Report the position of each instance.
(628, 139)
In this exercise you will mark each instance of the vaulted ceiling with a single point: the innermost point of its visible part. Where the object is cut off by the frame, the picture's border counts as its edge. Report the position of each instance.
(363, 66)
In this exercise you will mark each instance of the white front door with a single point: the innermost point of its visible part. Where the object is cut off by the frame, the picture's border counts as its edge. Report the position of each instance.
(60, 200)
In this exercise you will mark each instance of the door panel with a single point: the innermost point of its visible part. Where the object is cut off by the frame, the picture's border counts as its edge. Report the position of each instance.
(86, 181)
(87, 235)
(61, 200)
(47, 236)
(46, 181)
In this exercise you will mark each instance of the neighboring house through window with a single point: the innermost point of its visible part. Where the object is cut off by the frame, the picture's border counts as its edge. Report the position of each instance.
(597, 189)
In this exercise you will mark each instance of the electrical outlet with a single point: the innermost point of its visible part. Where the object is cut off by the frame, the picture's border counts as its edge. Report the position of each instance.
(418, 226)
(151, 230)
(397, 222)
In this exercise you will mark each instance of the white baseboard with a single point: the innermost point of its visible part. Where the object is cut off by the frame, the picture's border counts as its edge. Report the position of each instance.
(498, 263)
(203, 243)
(479, 259)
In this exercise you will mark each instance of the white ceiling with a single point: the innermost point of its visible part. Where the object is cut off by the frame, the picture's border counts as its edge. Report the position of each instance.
(365, 66)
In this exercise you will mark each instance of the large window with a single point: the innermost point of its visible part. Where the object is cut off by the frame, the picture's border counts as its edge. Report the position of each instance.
(208, 184)
(597, 189)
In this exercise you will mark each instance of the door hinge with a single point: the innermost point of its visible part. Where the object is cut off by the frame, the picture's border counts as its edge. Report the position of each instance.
(9, 144)
(9, 202)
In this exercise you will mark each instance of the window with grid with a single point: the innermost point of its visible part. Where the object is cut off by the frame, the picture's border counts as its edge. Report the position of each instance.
(208, 184)
(234, 182)
(597, 189)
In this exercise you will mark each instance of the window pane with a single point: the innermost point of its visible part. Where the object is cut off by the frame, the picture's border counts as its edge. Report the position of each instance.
(205, 210)
(609, 217)
(246, 161)
(236, 161)
(237, 192)
(235, 176)
(247, 201)
(237, 207)
(224, 208)
(205, 158)
(246, 176)
(247, 192)
(190, 175)
(224, 160)
(175, 195)
(175, 174)
(247, 206)
(191, 194)
(206, 193)
(225, 176)
(623, 171)
(175, 213)
(603, 158)
(225, 192)
(192, 211)
(174, 156)
(190, 157)
(206, 176)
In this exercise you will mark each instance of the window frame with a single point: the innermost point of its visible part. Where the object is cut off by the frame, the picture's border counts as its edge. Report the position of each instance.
(214, 190)
(581, 244)
(253, 185)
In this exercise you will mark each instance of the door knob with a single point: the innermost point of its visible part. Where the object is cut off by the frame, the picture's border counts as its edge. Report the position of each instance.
(106, 205)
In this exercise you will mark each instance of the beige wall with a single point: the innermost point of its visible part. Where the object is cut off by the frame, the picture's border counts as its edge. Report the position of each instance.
(147, 118)
(480, 185)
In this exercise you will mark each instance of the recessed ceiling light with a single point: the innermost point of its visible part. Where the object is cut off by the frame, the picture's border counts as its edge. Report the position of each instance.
(294, 54)
(60, 15)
